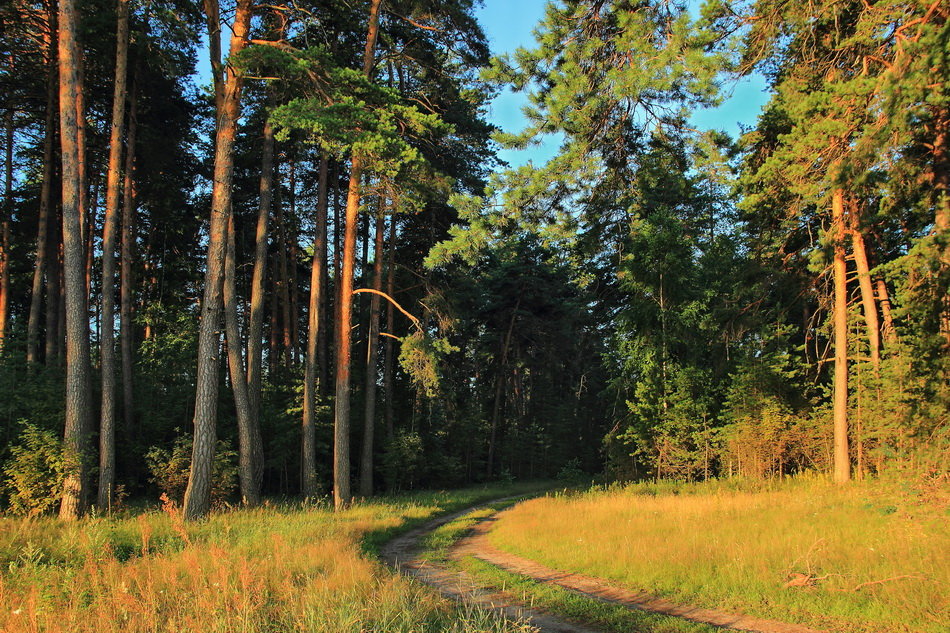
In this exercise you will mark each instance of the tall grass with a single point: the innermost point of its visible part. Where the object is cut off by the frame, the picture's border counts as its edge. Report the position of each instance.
(855, 558)
(289, 568)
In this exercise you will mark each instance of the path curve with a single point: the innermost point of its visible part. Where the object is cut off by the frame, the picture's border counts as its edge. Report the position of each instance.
(404, 554)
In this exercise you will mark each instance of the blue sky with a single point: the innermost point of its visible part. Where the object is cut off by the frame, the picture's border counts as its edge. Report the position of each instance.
(509, 24)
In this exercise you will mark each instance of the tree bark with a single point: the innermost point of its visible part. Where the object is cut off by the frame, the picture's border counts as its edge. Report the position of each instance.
(250, 449)
(341, 421)
(369, 419)
(54, 289)
(125, 277)
(390, 326)
(842, 461)
(110, 226)
(5, 228)
(315, 325)
(884, 300)
(868, 303)
(283, 286)
(255, 330)
(198, 493)
(77, 324)
(46, 194)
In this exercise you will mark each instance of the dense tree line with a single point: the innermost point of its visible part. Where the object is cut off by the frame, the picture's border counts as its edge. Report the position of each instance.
(396, 308)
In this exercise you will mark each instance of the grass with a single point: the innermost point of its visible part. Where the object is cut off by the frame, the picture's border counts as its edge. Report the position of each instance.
(550, 598)
(279, 568)
(871, 557)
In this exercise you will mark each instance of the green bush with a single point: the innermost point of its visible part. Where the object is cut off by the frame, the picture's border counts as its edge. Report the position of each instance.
(170, 470)
(33, 476)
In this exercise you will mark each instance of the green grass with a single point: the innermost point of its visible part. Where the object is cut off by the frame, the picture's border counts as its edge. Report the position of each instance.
(877, 553)
(550, 598)
(287, 567)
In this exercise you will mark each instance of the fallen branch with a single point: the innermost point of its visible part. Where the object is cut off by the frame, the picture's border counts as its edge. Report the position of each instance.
(883, 580)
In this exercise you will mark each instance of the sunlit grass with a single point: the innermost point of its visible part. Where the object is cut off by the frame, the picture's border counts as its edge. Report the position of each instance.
(566, 604)
(869, 558)
(286, 568)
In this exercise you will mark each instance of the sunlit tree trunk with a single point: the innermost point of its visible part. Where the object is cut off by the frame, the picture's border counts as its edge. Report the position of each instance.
(341, 421)
(315, 325)
(868, 303)
(842, 461)
(369, 418)
(109, 229)
(884, 300)
(198, 492)
(78, 403)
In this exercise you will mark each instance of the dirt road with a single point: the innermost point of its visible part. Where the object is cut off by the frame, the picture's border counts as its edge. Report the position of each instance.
(404, 553)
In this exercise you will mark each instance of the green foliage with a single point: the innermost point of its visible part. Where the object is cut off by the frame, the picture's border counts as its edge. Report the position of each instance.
(169, 469)
(421, 356)
(34, 474)
(403, 460)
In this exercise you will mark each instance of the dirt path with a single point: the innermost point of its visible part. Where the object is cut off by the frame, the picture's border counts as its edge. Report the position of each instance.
(404, 554)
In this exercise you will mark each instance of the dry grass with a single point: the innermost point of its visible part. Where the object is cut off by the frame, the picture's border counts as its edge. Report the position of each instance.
(276, 569)
(865, 559)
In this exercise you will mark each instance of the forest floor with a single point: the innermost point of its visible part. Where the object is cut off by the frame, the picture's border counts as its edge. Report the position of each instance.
(584, 538)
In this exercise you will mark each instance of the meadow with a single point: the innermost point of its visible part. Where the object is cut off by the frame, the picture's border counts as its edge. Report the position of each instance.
(864, 557)
(276, 568)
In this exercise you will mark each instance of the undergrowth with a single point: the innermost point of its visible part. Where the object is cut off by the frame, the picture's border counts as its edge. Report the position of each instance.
(289, 567)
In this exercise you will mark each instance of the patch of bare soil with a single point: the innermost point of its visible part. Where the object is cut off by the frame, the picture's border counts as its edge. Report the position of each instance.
(404, 554)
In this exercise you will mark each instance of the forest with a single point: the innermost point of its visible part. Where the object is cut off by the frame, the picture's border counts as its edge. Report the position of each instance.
(269, 251)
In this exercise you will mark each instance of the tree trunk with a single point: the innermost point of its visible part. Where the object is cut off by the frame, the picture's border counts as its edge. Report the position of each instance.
(46, 193)
(125, 277)
(255, 330)
(283, 286)
(369, 420)
(499, 391)
(5, 228)
(390, 326)
(842, 462)
(54, 290)
(110, 226)
(77, 323)
(250, 450)
(341, 421)
(868, 303)
(315, 326)
(884, 300)
(198, 492)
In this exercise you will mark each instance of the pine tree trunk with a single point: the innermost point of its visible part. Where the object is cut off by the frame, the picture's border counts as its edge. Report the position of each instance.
(250, 449)
(842, 461)
(884, 300)
(390, 326)
(5, 228)
(292, 252)
(341, 421)
(283, 287)
(77, 324)
(255, 330)
(125, 277)
(198, 492)
(369, 420)
(868, 304)
(54, 290)
(109, 229)
(46, 194)
(316, 324)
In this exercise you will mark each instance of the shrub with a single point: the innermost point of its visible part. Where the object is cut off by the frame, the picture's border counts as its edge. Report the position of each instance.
(170, 470)
(33, 476)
